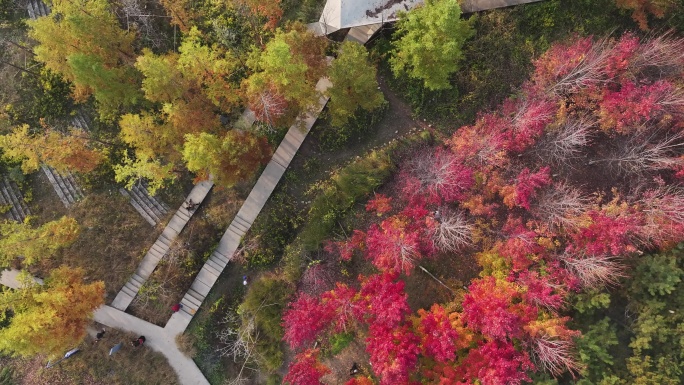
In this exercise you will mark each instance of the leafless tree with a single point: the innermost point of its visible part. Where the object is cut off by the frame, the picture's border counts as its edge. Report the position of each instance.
(250, 244)
(663, 209)
(555, 355)
(646, 152)
(560, 205)
(317, 279)
(142, 20)
(239, 338)
(589, 70)
(595, 271)
(268, 107)
(452, 231)
(658, 58)
(566, 142)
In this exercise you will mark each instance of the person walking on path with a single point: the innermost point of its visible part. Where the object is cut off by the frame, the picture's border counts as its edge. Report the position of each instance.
(99, 335)
(176, 307)
(138, 342)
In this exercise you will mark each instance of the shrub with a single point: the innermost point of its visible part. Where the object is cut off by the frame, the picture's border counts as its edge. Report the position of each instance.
(264, 303)
(358, 126)
(340, 341)
(186, 344)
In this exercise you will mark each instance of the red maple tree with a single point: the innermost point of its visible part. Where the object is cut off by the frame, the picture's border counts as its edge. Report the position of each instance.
(496, 308)
(393, 352)
(437, 336)
(304, 320)
(305, 369)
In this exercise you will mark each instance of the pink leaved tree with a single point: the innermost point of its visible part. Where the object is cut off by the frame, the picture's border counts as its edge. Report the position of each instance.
(384, 300)
(305, 369)
(394, 246)
(304, 320)
(528, 123)
(437, 175)
(343, 301)
(496, 308)
(393, 352)
(437, 335)
(496, 362)
(526, 187)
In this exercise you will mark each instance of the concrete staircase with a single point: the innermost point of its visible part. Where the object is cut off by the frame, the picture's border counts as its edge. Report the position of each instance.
(36, 9)
(81, 121)
(149, 207)
(262, 190)
(11, 196)
(66, 185)
(160, 247)
(363, 33)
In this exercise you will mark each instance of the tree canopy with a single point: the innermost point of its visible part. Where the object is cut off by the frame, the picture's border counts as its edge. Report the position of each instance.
(51, 318)
(354, 83)
(82, 41)
(430, 41)
(30, 245)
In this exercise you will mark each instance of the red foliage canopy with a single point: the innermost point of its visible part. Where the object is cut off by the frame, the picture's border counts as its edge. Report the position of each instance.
(496, 308)
(393, 353)
(305, 318)
(496, 363)
(384, 300)
(437, 336)
(305, 369)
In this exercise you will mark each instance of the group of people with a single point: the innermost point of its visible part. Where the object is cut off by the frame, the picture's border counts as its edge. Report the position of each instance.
(136, 342)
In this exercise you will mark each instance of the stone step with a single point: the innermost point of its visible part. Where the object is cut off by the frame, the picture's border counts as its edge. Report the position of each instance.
(142, 202)
(126, 289)
(217, 261)
(138, 208)
(69, 181)
(213, 268)
(44, 10)
(31, 12)
(56, 186)
(151, 203)
(11, 195)
(160, 205)
(192, 301)
(74, 184)
(65, 186)
(81, 122)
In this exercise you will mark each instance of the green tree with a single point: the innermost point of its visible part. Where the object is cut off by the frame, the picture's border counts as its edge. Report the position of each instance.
(291, 64)
(155, 171)
(230, 159)
(354, 84)
(211, 68)
(52, 318)
(429, 42)
(22, 241)
(86, 45)
(72, 150)
(162, 81)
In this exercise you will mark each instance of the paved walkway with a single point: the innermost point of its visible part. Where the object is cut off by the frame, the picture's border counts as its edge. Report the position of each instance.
(9, 278)
(250, 209)
(156, 338)
(160, 247)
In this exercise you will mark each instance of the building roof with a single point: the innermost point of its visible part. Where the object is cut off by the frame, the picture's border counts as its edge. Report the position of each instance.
(352, 13)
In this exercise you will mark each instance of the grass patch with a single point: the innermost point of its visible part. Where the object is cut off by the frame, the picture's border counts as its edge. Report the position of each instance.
(93, 365)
